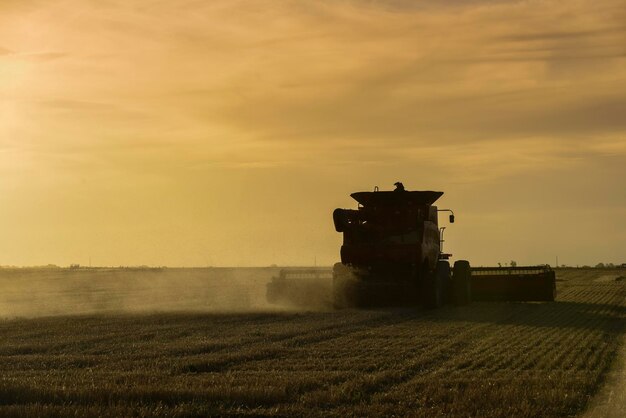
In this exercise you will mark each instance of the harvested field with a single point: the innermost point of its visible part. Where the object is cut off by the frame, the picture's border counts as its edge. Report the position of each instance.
(486, 359)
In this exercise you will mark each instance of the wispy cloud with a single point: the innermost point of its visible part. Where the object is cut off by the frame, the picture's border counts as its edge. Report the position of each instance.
(321, 72)
(565, 35)
(43, 56)
(68, 104)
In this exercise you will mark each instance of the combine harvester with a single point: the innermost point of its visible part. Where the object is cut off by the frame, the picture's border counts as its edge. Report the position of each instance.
(392, 255)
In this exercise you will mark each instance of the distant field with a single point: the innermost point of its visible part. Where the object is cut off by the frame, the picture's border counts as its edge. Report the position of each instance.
(40, 292)
(117, 358)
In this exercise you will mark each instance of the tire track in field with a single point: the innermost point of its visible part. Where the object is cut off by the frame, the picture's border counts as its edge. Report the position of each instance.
(611, 399)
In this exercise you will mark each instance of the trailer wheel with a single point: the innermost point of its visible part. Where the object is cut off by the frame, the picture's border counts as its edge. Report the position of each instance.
(462, 283)
(433, 288)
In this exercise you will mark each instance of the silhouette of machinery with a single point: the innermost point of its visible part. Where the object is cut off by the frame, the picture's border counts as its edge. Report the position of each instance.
(392, 255)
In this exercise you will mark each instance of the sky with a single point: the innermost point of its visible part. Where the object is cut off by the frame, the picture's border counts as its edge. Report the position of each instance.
(224, 133)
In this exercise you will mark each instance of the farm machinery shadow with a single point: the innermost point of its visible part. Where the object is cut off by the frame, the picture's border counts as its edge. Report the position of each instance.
(558, 314)
(605, 317)
(602, 317)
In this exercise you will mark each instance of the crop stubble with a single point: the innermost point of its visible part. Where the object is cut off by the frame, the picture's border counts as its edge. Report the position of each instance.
(487, 359)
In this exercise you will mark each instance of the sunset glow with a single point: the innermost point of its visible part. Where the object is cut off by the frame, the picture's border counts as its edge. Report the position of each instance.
(197, 133)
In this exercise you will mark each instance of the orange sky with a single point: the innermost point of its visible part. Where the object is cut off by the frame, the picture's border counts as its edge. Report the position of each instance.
(225, 132)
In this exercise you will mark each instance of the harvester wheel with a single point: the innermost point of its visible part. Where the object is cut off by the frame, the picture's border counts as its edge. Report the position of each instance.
(462, 283)
(444, 273)
(433, 288)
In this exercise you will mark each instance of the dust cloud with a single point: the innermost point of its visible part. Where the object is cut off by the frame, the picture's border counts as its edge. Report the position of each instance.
(47, 292)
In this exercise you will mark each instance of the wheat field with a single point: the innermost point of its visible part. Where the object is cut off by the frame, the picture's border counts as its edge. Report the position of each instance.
(176, 343)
